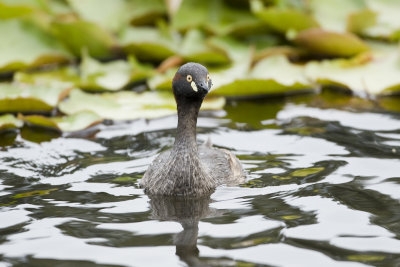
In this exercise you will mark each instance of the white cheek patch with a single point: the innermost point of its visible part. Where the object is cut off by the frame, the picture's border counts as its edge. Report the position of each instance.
(194, 86)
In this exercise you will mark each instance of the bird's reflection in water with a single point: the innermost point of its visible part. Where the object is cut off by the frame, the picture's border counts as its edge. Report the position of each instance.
(188, 212)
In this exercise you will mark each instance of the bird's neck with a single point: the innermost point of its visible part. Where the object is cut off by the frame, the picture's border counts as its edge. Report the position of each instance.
(188, 110)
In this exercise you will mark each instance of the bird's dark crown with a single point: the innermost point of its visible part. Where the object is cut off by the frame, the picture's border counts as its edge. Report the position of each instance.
(191, 80)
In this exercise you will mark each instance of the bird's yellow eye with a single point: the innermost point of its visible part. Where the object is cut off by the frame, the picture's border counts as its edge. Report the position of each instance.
(208, 77)
(189, 78)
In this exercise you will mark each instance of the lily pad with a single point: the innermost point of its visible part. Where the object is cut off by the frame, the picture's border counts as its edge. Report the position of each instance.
(379, 75)
(111, 76)
(128, 105)
(78, 35)
(27, 46)
(332, 15)
(8, 121)
(321, 42)
(75, 122)
(195, 48)
(110, 14)
(29, 98)
(64, 77)
(145, 12)
(215, 16)
(14, 11)
(148, 43)
(283, 19)
(272, 75)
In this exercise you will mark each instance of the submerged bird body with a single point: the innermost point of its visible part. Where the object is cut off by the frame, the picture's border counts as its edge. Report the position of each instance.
(188, 169)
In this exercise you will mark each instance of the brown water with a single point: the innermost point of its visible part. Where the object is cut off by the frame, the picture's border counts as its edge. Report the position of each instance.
(323, 189)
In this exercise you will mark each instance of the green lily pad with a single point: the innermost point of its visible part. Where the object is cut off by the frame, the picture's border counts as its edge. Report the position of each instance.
(195, 48)
(128, 105)
(272, 75)
(14, 11)
(29, 98)
(78, 35)
(216, 16)
(27, 46)
(8, 121)
(71, 123)
(64, 77)
(379, 75)
(110, 14)
(387, 20)
(283, 20)
(77, 121)
(111, 76)
(148, 43)
(39, 120)
(332, 15)
(145, 12)
(321, 42)
(359, 21)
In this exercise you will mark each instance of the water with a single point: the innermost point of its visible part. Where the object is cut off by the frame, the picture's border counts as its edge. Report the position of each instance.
(323, 189)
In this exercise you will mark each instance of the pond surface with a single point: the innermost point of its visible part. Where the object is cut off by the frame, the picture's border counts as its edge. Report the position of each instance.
(323, 189)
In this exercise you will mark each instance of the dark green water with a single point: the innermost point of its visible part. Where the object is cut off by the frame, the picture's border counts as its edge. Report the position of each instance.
(323, 189)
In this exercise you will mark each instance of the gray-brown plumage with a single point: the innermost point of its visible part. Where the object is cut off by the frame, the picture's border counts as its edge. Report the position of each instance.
(187, 169)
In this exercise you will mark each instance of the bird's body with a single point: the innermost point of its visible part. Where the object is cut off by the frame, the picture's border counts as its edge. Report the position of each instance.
(188, 169)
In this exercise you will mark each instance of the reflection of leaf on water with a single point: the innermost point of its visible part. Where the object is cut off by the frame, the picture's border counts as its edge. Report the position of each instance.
(128, 105)
(306, 172)
(27, 46)
(125, 179)
(34, 193)
(252, 242)
(366, 257)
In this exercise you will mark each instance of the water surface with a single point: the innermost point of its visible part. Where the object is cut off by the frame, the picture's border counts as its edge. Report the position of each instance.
(323, 189)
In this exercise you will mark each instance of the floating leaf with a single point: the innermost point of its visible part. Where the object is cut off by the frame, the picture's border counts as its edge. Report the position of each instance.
(14, 11)
(39, 120)
(215, 16)
(111, 76)
(110, 14)
(359, 21)
(8, 121)
(321, 42)
(148, 43)
(272, 75)
(144, 12)
(380, 75)
(128, 105)
(125, 179)
(333, 14)
(27, 45)
(387, 20)
(194, 48)
(29, 98)
(283, 20)
(75, 122)
(77, 35)
(62, 77)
